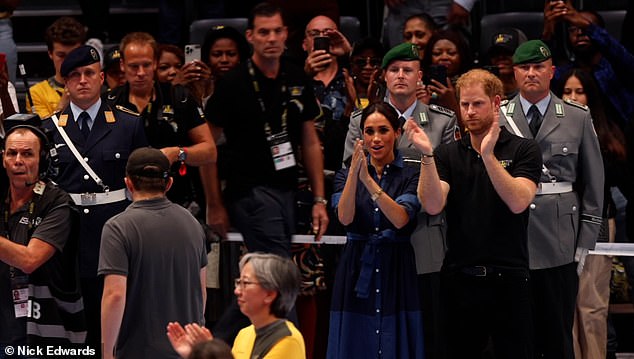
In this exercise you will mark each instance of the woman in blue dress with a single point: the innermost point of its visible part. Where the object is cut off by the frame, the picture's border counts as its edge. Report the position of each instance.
(375, 311)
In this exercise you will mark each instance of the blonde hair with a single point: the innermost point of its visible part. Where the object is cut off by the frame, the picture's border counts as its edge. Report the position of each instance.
(490, 83)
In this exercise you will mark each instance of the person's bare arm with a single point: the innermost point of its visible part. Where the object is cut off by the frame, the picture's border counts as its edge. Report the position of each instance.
(112, 307)
(314, 165)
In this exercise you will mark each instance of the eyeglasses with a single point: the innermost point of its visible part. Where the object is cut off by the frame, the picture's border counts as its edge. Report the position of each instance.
(317, 32)
(242, 283)
(362, 61)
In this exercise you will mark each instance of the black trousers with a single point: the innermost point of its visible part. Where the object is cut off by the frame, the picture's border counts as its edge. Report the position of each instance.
(554, 294)
(494, 308)
(92, 291)
(265, 218)
(431, 309)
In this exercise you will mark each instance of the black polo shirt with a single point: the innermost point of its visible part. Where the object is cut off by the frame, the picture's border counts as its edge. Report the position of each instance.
(168, 118)
(481, 229)
(235, 108)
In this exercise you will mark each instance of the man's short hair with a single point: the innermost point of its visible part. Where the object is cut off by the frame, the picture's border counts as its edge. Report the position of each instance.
(491, 83)
(66, 31)
(263, 9)
(277, 274)
(139, 38)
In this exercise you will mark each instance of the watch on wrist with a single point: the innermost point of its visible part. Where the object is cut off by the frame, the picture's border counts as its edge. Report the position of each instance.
(320, 200)
(182, 154)
(376, 195)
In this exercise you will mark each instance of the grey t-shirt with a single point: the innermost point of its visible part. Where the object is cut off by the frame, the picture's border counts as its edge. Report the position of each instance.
(160, 247)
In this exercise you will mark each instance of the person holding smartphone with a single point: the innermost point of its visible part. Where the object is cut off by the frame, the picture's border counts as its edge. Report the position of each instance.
(173, 121)
(449, 49)
(325, 44)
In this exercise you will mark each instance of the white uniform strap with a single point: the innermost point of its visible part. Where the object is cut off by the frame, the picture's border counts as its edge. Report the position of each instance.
(511, 122)
(78, 156)
(519, 133)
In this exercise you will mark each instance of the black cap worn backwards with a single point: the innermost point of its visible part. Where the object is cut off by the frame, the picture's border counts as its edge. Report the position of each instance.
(148, 162)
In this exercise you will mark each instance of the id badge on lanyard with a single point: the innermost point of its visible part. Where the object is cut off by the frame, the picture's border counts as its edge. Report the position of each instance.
(20, 293)
(281, 150)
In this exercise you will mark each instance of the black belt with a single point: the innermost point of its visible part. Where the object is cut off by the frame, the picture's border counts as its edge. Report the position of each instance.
(488, 271)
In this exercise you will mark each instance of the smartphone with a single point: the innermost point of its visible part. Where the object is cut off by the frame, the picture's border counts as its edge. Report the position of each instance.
(321, 43)
(192, 52)
(435, 72)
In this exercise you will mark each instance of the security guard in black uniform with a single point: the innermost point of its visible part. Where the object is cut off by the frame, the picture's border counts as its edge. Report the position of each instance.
(93, 142)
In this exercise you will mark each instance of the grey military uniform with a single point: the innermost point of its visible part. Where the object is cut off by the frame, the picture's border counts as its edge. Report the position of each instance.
(439, 123)
(561, 222)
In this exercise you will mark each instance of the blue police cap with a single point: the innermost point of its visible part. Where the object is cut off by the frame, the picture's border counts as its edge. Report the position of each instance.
(82, 56)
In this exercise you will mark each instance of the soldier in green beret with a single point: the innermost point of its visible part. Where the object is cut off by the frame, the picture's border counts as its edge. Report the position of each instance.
(566, 214)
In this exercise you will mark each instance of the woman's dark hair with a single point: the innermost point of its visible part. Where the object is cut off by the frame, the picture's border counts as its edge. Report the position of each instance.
(611, 138)
(384, 109)
(173, 49)
(455, 36)
(426, 18)
(368, 43)
(211, 349)
(224, 32)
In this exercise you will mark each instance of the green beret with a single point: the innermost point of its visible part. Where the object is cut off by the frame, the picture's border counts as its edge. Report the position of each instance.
(532, 51)
(404, 51)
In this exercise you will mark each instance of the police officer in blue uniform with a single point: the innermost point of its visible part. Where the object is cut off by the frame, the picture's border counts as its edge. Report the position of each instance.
(103, 138)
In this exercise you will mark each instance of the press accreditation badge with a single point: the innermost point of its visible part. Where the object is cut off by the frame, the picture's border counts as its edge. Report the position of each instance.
(20, 294)
(281, 150)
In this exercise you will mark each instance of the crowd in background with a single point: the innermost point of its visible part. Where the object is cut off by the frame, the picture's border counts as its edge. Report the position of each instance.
(316, 94)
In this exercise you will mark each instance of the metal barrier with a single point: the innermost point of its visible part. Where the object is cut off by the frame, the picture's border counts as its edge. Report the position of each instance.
(606, 249)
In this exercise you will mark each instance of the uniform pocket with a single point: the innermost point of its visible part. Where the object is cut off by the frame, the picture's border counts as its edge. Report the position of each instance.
(568, 216)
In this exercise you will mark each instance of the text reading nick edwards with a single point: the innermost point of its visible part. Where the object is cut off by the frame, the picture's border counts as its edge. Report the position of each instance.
(50, 351)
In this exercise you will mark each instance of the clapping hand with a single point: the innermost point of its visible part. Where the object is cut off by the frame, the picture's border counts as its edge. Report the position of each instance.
(491, 138)
(183, 339)
(418, 137)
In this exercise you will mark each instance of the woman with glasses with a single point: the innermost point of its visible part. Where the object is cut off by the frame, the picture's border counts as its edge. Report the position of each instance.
(375, 305)
(266, 292)
(365, 62)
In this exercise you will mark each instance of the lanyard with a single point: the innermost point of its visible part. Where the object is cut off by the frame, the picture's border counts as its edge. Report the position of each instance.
(258, 94)
(31, 210)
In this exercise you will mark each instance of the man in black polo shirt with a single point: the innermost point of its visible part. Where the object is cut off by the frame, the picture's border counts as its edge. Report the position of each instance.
(485, 183)
(266, 108)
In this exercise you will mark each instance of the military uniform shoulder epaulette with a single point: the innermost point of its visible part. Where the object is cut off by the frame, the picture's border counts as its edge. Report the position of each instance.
(576, 104)
(440, 109)
(356, 113)
(127, 110)
(504, 102)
